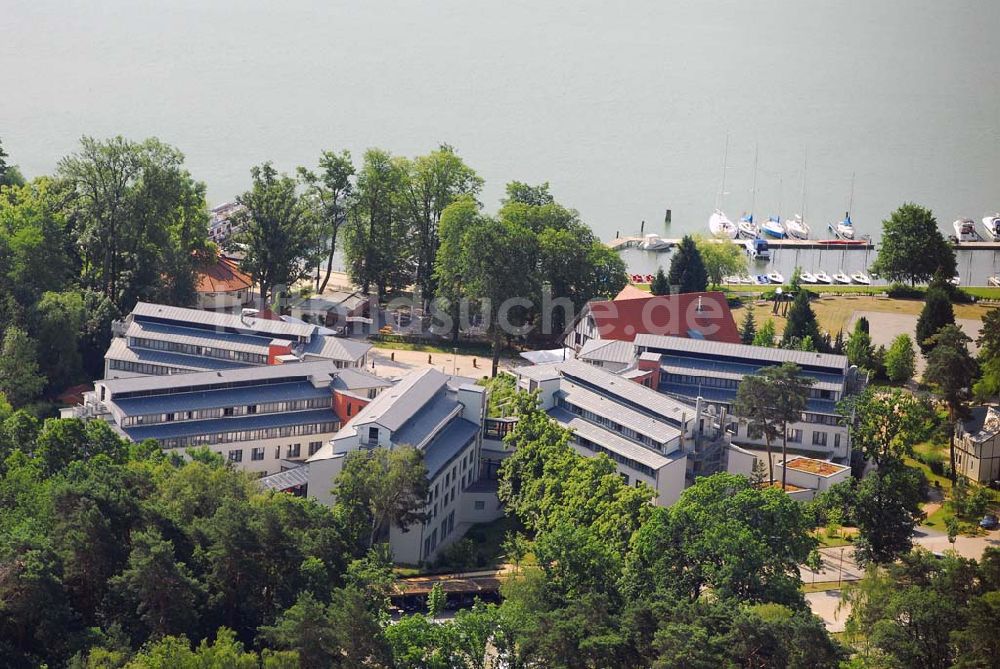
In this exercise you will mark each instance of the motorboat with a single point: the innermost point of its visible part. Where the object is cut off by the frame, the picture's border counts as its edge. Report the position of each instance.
(720, 225)
(775, 277)
(757, 248)
(956, 280)
(807, 277)
(747, 228)
(840, 277)
(773, 227)
(992, 225)
(653, 242)
(761, 280)
(746, 279)
(994, 281)
(797, 228)
(731, 280)
(862, 278)
(845, 228)
(965, 230)
(822, 277)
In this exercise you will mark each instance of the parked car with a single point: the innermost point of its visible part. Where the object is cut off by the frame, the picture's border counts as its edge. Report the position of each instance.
(989, 522)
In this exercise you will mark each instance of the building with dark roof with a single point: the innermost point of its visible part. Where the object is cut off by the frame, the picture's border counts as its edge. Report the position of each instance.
(159, 340)
(977, 445)
(704, 316)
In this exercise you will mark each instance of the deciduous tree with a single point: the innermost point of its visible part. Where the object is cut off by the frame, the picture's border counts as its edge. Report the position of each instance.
(721, 258)
(329, 196)
(913, 249)
(20, 380)
(900, 360)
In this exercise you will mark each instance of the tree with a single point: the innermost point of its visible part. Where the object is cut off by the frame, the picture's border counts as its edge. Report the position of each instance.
(20, 380)
(765, 335)
(951, 368)
(329, 196)
(936, 313)
(379, 488)
(770, 400)
(432, 183)
(58, 320)
(884, 423)
(378, 239)
(9, 174)
(859, 347)
(988, 384)
(748, 328)
(660, 285)
(687, 271)
(276, 232)
(801, 321)
(449, 263)
(887, 511)
(976, 644)
(913, 249)
(900, 360)
(139, 218)
(721, 258)
(500, 273)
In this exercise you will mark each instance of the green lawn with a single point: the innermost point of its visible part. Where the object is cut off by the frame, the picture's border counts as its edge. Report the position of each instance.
(821, 586)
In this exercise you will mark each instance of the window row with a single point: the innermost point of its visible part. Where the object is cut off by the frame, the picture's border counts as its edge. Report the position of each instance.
(195, 349)
(617, 457)
(249, 435)
(144, 368)
(614, 426)
(227, 412)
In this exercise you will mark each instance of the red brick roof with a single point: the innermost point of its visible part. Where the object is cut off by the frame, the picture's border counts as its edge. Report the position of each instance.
(630, 292)
(222, 276)
(693, 315)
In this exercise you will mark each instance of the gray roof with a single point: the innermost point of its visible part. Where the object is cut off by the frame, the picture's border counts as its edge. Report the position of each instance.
(322, 371)
(289, 478)
(607, 350)
(762, 354)
(211, 319)
(336, 348)
(448, 444)
(609, 440)
(396, 405)
(550, 355)
(192, 428)
(422, 424)
(120, 350)
(715, 370)
(634, 394)
(352, 379)
(227, 397)
(625, 416)
(538, 372)
(212, 338)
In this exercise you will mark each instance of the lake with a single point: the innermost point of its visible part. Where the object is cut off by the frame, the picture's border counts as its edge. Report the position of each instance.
(623, 107)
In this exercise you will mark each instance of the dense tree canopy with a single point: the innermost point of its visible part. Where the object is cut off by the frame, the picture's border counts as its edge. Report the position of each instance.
(913, 249)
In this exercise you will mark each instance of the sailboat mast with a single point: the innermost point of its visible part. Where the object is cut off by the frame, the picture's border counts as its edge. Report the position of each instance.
(725, 163)
(753, 198)
(805, 167)
(850, 203)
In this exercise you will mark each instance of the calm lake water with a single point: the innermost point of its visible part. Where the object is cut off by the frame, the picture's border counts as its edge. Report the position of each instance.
(623, 107)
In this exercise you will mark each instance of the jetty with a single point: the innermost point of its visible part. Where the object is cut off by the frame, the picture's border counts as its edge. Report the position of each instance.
(621, 243)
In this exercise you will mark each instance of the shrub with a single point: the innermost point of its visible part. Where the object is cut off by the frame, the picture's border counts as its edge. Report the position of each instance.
(901, 291)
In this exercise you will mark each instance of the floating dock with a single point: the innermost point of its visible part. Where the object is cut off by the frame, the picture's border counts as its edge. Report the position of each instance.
(621, 243)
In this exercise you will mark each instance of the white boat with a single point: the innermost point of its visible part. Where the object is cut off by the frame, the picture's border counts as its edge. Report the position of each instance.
(761, 280)
(862, 278)
(840, 277)
(965, 230)
(956, 280)
(822, 277)
(757, 248)
(992, 225)
(774, 227)
(653, 242)
(807, 277)
(845, 228)
(775, 277)
(747, 228)
(994, 281)
(731, 280)
(720, 225)
(797, 228)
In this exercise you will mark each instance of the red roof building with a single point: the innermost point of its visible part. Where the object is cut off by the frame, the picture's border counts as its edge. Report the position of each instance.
(693, 315)
(222, 286)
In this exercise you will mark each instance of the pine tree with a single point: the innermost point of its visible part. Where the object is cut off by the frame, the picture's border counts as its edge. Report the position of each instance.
(801, 321)
(937, 313)
(660, 285)
(687, 271)
(748, 329)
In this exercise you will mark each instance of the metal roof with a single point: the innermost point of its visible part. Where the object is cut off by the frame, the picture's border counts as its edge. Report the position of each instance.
(728, 395)
(321, 370)
(193, 428)
(351, 379)
(394, 406)
(538, 372)
(336, 348)
(608, 350)
(421, 425)
(289, 478)
(636, 395)
(547, 356)
(609, 440)
(211, 319)
(607, 407)
(762, 354)
(229, 341)
(119, 350)
(448, 444)
(229, 397)
(736, 372)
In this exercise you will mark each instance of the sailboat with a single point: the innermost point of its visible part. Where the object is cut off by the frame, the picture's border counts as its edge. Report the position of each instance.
(796, 227)
(774, 227)
(718, 223)
(845, 228)
(746, 225)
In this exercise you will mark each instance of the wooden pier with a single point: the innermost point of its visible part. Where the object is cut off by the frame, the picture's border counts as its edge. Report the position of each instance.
(621, 243)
